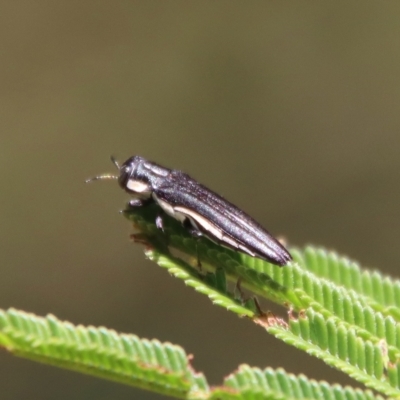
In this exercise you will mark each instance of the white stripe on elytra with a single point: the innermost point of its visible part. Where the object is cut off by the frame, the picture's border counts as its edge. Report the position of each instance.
(181, 213)
(211, 228)
(203, 222)
(169, 209)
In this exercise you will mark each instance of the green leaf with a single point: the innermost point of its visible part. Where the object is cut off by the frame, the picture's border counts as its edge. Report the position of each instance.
(340, 347)
(253, 383)
(344, 317)
(212, 285)
(381, 289)
(149, 364)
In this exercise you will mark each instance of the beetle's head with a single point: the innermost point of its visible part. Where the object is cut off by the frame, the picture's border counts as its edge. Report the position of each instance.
(129, 178)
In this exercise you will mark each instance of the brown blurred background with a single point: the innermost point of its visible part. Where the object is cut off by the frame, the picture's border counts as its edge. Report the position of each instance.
(288, 109)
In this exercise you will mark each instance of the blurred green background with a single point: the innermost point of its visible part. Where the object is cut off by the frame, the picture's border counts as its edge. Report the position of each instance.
(288, 109)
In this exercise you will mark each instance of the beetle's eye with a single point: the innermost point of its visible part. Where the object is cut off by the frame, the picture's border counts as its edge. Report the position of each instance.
(123, 176)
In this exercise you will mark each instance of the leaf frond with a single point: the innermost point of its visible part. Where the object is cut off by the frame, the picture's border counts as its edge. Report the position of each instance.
(338, 312)
(125, 358)
(150, 364)
(254, 383)
(340, 347)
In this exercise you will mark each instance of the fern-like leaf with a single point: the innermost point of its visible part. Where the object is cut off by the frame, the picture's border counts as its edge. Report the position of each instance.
(344, 315)
(151, 365)
(252, 383)
(148, 364)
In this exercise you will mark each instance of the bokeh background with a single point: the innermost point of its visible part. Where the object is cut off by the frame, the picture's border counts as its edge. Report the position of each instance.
(288, 109)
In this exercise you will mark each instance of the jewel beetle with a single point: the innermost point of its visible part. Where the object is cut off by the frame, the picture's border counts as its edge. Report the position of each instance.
(200, 210)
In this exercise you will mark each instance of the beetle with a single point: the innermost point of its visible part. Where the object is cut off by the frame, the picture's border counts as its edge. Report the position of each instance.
(199, 209)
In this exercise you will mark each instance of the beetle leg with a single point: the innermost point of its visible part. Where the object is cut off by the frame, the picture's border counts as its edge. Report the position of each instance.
(160, 223)
(134, 203)
(196, 235)
(261, 313)
(192, 229)
(160, 226)
(239, 292)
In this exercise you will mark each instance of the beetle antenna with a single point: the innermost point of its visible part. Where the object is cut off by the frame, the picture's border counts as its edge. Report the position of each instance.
(115, 162)
(105, 176)
(101, 178)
